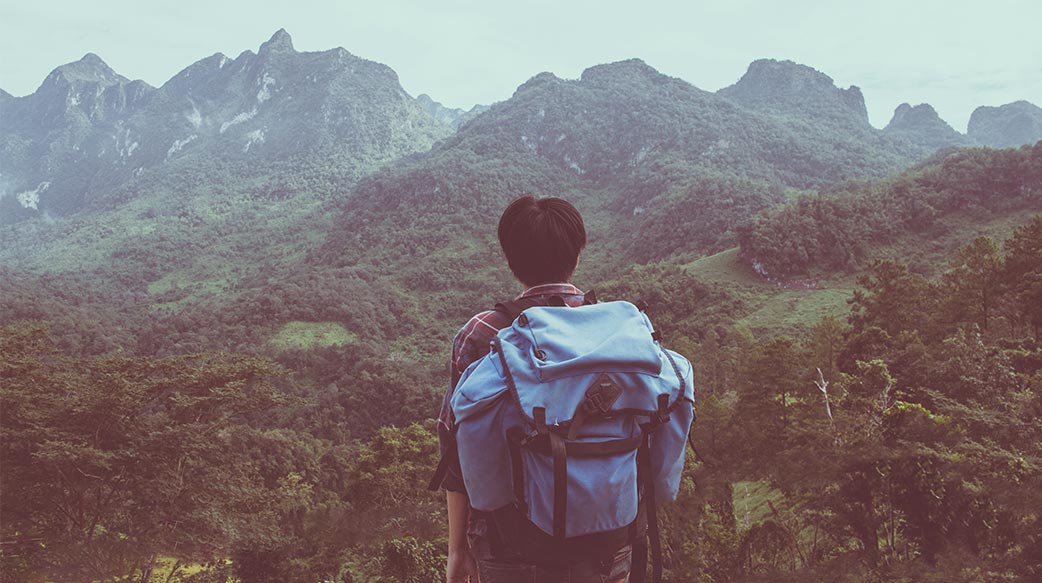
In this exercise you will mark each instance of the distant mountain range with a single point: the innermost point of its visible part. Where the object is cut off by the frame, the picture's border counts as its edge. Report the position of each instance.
(653, 154)
(88, 131)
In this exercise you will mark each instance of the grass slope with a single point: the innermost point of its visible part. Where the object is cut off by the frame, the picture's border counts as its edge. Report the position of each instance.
(304, 335)
(773, 307)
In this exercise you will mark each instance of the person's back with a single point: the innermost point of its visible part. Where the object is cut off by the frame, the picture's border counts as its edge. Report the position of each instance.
(541, 240)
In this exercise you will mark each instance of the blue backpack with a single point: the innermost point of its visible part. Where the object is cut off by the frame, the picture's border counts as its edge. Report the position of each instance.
(572, 428)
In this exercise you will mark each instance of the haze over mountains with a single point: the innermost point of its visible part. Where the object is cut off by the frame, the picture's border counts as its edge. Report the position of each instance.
(88, 132)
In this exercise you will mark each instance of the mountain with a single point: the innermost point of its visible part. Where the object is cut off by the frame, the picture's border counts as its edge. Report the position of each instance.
(1009, 125)
(921, 124)
(448, 115)
(789, 88)
(236, 170)
(664, 166)
(88, 131)
(68, 138)
(809, 102)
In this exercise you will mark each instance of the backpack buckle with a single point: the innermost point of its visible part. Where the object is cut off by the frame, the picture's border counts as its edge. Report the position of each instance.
(602, 395)
(662, 415)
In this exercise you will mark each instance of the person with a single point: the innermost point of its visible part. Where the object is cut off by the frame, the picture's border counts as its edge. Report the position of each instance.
(541, 240)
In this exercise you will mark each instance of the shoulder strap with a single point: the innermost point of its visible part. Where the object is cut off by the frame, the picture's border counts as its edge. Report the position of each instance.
(646, 485)
(448, 458)
(513, 308)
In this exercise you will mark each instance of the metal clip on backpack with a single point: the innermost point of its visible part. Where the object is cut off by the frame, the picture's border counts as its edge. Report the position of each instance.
(572, 429)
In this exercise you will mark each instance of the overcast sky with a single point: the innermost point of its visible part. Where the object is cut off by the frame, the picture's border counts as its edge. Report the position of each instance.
(952, 54)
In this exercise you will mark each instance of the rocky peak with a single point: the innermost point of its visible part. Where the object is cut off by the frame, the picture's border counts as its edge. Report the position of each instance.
(792, 87)
(87, 87)
(280, 42)
(1009, 125)
(89, 69)
(922, 116)
(5, 95)
(920, 124)
(449, 115)
(544, 78)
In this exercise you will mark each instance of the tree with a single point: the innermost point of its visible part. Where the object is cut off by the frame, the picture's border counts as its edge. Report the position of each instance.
(111, 461)
(768, 394)
(973, 280)
(1023, 271)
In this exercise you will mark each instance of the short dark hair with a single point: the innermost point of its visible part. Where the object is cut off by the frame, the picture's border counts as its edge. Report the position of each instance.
(541, 239)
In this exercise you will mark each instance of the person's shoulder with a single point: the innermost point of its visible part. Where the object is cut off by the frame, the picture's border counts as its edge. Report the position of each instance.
(489, 320)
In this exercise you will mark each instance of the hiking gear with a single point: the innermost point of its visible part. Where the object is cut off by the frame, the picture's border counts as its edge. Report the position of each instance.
(574, 416)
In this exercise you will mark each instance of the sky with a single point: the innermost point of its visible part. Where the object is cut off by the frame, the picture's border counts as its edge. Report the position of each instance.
(952, 54)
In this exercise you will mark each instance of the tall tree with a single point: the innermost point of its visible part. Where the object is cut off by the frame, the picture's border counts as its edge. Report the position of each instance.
(973, 281)
(1023, 271)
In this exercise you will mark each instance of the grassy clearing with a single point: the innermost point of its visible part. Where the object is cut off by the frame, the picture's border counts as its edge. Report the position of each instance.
(724, 267)
(752, 502)
(165, 564)
(305, 335)
(773, 307)
(791, 309)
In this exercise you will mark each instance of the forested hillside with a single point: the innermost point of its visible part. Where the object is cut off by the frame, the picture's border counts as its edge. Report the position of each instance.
(838, 230)
(222, 354)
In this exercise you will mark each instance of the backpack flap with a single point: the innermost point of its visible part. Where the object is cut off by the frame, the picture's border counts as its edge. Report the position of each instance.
(562, 342)
(556, 354)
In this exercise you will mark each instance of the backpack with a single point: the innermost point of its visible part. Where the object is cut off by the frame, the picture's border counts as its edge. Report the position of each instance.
(572, 428)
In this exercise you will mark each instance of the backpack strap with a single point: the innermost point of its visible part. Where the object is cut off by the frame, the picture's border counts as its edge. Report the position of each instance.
(559, 451)
(513, 308)
(517, 468)
(447, 459)
(646, 484)
(560, 455)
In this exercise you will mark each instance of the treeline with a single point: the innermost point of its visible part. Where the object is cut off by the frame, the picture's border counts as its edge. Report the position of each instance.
(838, 231)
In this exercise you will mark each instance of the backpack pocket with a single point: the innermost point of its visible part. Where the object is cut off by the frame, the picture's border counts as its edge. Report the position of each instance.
(601, 490)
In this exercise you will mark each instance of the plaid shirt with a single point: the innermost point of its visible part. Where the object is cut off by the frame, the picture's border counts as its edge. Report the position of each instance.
(471, 344)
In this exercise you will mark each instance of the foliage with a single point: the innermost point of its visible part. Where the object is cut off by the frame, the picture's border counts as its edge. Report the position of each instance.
(837, 231)
(116, 460)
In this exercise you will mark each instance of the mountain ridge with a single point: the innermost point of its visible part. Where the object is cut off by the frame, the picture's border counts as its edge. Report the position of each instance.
(647, 150)
(87, 131)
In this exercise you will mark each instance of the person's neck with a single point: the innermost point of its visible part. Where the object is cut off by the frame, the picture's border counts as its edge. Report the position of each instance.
(530, 287)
